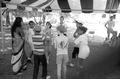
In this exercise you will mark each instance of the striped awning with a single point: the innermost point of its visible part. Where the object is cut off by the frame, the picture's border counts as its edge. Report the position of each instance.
(66, 6)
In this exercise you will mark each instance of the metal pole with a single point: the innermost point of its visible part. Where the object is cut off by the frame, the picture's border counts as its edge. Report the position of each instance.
(111, 6)
(2, 31)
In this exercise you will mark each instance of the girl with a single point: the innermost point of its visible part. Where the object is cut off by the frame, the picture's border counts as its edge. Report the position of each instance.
(19, 58)
(82, 42)
(49, 37)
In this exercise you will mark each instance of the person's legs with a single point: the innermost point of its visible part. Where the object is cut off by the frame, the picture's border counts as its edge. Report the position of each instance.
(65, 60)
(59, 62)
(80, 63)
(30, 56)
(31, 53)
(36, 66)
(74, 55)
(59, 71)
(108, 33)
(44, 66)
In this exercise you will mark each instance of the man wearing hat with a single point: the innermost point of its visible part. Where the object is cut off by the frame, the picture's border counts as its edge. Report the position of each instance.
(61, 44)
(40, 56)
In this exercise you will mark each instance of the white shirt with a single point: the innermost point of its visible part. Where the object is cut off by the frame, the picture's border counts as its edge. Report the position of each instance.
(81, 40)
(61, 44)
(31, 32)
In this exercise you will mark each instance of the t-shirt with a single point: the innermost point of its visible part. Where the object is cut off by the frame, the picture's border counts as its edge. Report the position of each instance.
(30, 33)
(81, 40)
(38, 44)
(61, 44)
(110, 24)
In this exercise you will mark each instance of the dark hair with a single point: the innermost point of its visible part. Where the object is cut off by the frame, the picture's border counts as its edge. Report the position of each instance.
(111, 16)
(84, 29)
(31, 22)
(61, 17)
(79, 22)
(50, 24)
(16, 24)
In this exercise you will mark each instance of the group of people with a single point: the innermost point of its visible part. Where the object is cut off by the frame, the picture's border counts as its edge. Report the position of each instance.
(41, 41)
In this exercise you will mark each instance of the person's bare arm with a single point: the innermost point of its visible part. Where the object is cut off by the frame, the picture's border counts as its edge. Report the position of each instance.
(106, 24)
(114, 24)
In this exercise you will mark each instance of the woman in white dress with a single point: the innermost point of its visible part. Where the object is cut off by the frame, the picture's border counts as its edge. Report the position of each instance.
(82, 42)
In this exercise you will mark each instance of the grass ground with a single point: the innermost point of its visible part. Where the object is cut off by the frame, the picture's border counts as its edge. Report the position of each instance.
(98, 65)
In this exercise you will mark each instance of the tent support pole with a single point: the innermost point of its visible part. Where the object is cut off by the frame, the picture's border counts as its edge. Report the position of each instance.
(2, 31)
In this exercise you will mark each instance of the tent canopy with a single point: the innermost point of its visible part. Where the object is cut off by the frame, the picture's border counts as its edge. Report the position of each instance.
(66, 6)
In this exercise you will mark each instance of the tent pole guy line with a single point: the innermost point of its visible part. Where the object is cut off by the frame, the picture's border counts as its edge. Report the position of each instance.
(61, 9)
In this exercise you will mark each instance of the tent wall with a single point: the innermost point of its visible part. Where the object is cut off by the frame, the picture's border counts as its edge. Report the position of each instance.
(66, 6)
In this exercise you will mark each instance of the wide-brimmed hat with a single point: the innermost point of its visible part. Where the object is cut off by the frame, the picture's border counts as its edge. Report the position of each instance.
(37, 28)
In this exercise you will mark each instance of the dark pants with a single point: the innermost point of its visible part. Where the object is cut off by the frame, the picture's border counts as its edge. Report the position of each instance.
(37, 60)
(75, 52)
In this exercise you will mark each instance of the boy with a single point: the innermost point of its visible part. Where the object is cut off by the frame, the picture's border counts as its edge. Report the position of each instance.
(61, 44)
(30, 33)
(40, 56)
(110, 25)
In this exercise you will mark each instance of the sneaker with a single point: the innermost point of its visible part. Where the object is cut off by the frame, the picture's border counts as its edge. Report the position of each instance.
(20, 73)
(48, 77)
(24, 67)
(29, 60)
(71, 65)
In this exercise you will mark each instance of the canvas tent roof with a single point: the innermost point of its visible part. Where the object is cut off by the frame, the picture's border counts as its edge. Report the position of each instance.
(84, 6)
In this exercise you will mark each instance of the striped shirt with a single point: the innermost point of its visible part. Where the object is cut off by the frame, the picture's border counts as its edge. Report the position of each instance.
(38, 44)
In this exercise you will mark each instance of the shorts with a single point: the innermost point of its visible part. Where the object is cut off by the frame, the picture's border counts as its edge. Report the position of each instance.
(75, 52)
(109, 30)
(62, 59)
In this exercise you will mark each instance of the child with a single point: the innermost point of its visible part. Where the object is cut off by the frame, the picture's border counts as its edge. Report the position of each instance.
(30, 33)
(49, 36)
(82, 42)
(61, 44)
(39, 55)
